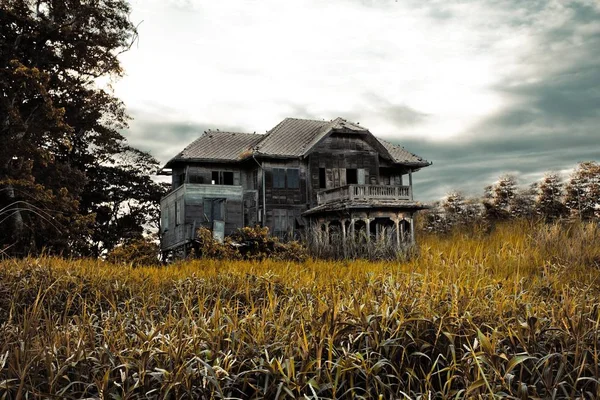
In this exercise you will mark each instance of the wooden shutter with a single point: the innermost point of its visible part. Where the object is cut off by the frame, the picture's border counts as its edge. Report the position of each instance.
(361, 176)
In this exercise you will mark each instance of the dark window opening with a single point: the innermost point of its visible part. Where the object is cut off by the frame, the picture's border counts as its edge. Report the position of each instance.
(351, 176)
(322, 181)
(279, 178)
(181, 179)
(227, 178)
(293, 178)
(222, 177)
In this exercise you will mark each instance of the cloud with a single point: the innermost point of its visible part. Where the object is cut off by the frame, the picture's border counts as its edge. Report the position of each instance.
(478, 87)
(163, 136)
(551, 117)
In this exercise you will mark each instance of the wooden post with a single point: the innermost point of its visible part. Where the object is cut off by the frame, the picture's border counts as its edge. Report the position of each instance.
(402, 230)
(412, 230)
(397, 223)
(410, 187)
(368, 228)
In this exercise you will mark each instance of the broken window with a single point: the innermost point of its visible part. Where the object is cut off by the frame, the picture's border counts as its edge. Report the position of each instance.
(214, 209)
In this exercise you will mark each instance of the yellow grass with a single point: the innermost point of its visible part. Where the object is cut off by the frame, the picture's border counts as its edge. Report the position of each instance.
(511, 313)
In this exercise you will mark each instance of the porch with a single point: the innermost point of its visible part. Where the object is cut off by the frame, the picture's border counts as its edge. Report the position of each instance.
(364, 193)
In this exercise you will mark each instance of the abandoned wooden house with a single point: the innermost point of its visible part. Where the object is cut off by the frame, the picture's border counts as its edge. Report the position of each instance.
(334, 175)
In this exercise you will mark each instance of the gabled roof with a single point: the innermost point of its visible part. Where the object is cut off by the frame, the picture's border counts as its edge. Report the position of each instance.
(292, 137)
(403, 156)
(218, 146)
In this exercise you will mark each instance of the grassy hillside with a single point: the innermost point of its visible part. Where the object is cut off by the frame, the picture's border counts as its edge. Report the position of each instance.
(512, 313)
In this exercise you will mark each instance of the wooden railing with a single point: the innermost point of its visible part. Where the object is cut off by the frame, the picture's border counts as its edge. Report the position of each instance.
(364, 192)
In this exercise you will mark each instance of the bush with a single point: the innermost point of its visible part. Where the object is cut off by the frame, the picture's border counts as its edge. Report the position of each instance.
(247, 244)
(137, 253)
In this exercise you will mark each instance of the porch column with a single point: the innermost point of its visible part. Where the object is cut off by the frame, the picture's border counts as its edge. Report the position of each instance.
(401, 229)
(397, 224)
(343, 222)
(412, 229)
(410, 184)
(368, 227)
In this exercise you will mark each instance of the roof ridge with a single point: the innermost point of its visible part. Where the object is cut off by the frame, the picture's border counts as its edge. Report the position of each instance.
(235, 132)
(307, 119)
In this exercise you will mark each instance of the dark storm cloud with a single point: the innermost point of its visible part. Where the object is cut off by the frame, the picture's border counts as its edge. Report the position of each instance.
(469, 166)
(554, 125)
(552, 121)
(164, 138)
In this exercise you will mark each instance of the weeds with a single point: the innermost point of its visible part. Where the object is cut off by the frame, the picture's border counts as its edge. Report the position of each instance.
(504, 314)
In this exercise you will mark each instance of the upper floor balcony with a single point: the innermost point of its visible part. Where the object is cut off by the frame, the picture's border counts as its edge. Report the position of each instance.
(364, 193)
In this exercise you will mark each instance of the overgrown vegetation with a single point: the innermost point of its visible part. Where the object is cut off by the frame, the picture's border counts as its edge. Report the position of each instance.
(248, 243)
(548, 200)
(334, 245)
(510, 313)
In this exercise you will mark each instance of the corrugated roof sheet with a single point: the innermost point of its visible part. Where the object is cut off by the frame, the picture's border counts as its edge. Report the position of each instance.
(292, 137)
(401, 155)
(221, 146)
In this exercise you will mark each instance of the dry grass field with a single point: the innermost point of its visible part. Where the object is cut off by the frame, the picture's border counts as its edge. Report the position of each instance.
(512, 314)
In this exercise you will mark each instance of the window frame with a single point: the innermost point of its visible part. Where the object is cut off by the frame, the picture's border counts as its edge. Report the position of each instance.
(220, 177)
(210, 214)
(297, 178)
(278, 178)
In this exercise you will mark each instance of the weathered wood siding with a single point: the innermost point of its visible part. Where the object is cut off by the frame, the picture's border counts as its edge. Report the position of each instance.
(285, 203)
(253, 191)
(337, 153)
(190, 199)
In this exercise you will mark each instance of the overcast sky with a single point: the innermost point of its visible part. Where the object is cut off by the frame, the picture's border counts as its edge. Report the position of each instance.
(481, 88)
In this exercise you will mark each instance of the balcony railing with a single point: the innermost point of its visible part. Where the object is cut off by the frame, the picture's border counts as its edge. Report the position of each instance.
(365, 193)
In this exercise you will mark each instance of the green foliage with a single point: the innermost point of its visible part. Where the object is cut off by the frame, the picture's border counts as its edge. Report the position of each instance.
(136, 253)
(247, 244)
(69, 184)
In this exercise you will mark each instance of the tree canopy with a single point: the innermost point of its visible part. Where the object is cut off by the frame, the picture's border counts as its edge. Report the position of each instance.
(69, 182)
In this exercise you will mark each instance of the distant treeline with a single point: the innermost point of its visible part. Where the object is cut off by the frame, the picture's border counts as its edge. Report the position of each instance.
(551, 199)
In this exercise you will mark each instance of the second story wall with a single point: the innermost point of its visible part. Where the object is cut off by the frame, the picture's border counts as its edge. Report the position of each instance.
(221, 173)
(285, 193)
(339, 160)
